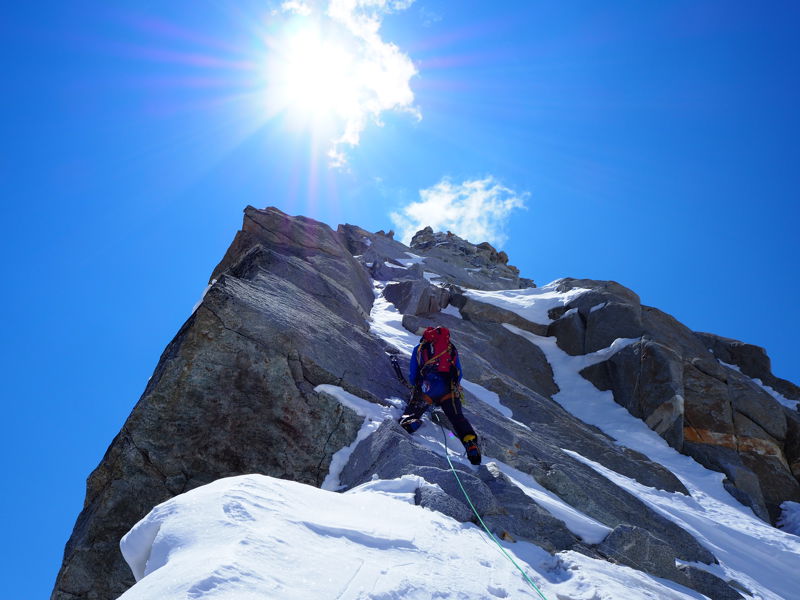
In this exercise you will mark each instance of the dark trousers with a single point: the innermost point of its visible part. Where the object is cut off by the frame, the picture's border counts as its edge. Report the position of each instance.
(451, 407)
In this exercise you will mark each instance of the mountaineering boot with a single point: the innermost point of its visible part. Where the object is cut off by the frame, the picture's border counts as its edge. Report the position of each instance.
(470, 442)
(410, 424)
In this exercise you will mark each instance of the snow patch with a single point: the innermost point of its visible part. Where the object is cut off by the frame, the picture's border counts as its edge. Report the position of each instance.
(793, 404)
(713, 569)
(490, 398)
(569, 367)
(412, 260)
(532, 304)
(452, 311)
(583, 526)
(386, 322)
(202, 296)
(374, 415)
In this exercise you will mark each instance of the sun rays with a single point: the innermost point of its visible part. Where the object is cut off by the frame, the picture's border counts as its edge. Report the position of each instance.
(314, 76)
(320, 73)
(331, 71)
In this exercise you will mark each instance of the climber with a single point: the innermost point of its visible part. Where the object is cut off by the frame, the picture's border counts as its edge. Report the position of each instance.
(435, 374)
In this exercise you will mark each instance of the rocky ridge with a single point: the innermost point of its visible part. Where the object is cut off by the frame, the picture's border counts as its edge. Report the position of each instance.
(237, 391)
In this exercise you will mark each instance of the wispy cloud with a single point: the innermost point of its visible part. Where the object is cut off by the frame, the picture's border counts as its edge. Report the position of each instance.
(429, 17)
(476, 209)
(297, 7)
(379, 73)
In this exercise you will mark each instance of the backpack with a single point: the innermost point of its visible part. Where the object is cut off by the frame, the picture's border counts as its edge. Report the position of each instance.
(437, 354)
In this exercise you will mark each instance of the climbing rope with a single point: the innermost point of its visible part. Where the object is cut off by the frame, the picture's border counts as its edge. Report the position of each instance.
(437, 419)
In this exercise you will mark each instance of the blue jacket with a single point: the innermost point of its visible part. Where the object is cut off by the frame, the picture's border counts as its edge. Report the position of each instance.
(434, 384)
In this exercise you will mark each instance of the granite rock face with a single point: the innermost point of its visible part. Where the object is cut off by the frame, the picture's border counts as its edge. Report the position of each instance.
(457, 261)
(696, 390)
(750, 360)
(289, 309)
(638, 548)
(234, 393)
(416, 297)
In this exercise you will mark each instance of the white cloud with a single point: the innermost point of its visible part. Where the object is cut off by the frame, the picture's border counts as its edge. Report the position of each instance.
(296, 7)
(429, 17)
(377, 75)
(476, 210)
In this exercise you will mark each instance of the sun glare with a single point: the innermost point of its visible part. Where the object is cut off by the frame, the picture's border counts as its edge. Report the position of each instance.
(314, 77)
(330, 74)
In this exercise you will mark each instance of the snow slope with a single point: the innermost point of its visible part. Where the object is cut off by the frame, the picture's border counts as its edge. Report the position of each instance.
(257, 537)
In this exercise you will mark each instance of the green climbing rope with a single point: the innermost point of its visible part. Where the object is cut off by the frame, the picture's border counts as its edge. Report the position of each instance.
(486, 529)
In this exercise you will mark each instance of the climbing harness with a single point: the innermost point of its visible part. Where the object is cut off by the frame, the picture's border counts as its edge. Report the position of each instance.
(436, 418)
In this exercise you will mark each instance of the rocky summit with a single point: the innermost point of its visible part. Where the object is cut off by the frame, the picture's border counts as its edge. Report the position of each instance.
(295, 310)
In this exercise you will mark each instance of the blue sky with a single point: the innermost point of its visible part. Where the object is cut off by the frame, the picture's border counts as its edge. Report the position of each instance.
(654, 144)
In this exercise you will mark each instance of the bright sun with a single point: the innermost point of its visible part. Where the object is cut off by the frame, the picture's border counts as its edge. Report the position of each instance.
(314, 77)
(330, 74)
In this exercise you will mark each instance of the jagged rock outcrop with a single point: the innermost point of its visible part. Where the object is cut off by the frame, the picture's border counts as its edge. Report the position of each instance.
(289, 309)
(751, 360)
(637, 547)
(447, 258)
(699, 405)
(417, 297)
(233, 393)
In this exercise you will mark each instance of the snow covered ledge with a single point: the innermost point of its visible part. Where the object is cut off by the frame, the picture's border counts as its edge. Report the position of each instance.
(255, 537)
